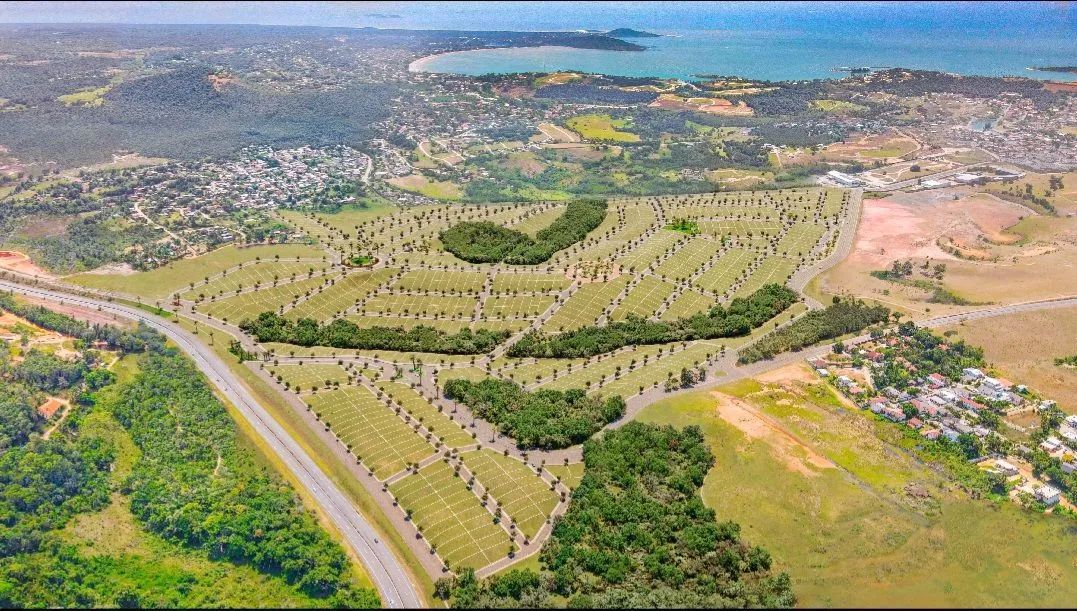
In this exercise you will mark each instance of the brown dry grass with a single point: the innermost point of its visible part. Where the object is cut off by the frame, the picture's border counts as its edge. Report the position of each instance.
(1023, 348)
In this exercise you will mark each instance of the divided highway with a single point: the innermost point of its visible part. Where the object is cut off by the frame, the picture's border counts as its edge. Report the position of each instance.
(386, 572)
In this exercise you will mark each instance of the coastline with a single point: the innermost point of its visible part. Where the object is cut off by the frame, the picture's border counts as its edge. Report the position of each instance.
(420, 65)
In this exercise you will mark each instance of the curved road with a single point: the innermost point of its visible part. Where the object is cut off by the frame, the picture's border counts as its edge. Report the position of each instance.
(386, 572)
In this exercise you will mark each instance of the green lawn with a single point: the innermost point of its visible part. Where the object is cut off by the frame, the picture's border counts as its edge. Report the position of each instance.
(601, 127)
(522, 494)
(451, 517)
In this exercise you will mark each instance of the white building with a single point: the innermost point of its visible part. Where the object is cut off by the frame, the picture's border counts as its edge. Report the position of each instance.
(1048, 495)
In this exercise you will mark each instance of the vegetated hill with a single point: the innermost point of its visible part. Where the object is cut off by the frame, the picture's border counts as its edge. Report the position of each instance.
(179, 114)
(630, 33)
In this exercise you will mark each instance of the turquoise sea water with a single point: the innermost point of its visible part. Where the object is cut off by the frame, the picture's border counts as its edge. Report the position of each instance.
(786, 54)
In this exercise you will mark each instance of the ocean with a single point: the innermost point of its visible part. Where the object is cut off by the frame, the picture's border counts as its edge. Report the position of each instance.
(772, 41)
(777, 55)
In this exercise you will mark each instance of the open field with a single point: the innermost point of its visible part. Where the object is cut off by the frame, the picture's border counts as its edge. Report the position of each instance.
(419, 183)
(876, 529)
(993, 250)
(601, 127)
(1005, 340)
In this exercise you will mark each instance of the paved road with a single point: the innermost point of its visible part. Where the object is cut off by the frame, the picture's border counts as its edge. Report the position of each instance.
(385, 571)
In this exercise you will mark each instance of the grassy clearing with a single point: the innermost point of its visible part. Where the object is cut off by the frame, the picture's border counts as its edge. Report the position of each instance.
(437, 189)
(601, 127)
(856, 536)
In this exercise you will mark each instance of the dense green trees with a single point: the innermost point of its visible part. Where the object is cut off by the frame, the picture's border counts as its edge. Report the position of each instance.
(269, 327)
(738, 318)
(483, 242)
(546, 419)
(925, 351)
(637, 535)
(136, 340)
(847, 316)
(193, 485)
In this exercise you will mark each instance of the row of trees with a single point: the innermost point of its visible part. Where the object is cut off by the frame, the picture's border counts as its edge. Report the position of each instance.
(738, 318)
(837, 319)
(637, 535)
(340, 333)
(546, 419)
(138, 340)
(485, 242)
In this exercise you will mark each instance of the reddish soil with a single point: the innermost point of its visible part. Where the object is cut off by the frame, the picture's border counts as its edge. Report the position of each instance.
(20, 263)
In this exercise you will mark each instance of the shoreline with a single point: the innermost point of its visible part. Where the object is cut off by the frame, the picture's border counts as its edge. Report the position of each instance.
(420, 65)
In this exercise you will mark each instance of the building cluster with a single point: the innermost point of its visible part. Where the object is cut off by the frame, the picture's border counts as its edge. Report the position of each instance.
(940, 408)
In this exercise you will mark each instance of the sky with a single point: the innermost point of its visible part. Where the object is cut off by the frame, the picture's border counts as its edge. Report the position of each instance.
(666, 16)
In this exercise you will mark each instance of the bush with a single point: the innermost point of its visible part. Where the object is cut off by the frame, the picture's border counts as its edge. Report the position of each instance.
(835, 320)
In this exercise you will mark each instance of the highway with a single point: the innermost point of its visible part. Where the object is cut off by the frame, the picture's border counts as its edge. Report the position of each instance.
(387, 574)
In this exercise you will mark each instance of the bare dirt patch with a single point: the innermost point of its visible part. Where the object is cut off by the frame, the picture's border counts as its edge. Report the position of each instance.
(794, 454)
(18, 262)
(84, 314)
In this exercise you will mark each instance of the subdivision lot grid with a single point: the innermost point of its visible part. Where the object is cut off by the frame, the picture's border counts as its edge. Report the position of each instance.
(726, 270)
(519, 306)
(341, 295)
(451, 517)
(570, 474)
(688, 303)
(644, 299)
(306, 376)
(441, 280)
(521, 493)
(310, 227)
(622, 225)
(585, 305)
(526, 371)
(433, 256)
(591, 376)
(530, 283)
(271, 299)
(800, 239)
(703, 214)
(734, 227)
(538, 220)
(658, 369)
(261, 274)
(771, 270)
(653, 248)
(445, 429)
(405, 322)
(381, 440)
(421, 305)
(833, 201)
(688, 259)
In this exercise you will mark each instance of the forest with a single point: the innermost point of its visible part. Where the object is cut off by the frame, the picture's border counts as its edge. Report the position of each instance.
(192, 483)
(841, 317)
(637, 535)
(545, 419)
(340, 333)
(738, 318)
(484, 242)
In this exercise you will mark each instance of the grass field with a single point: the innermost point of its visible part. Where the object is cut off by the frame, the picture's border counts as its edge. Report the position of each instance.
(601, 127)
(177, 275)
(451, 517)
(310, 375)
(250, 304)
(520, 492)
(381, 440)
(875, 529)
